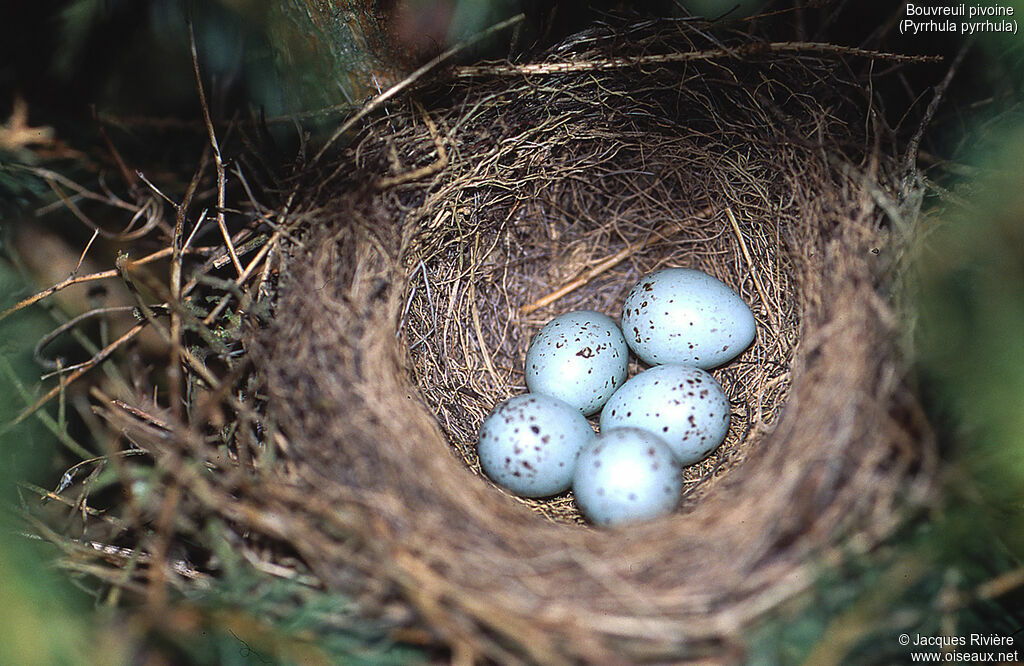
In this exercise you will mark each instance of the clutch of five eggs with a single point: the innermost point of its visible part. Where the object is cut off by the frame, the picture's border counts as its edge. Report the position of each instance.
(681, 321)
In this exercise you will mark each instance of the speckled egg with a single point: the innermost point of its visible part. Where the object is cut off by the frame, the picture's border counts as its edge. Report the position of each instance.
(682, 315)
(529, 444)
(579, 357)
(626, 475)
(682, 404)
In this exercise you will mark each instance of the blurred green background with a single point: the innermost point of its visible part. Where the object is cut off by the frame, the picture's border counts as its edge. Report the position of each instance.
(44, 620)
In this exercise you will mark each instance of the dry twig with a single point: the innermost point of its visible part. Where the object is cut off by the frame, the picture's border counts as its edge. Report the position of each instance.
(746, 50)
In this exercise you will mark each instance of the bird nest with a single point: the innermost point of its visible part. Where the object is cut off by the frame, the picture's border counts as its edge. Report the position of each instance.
(465, 215)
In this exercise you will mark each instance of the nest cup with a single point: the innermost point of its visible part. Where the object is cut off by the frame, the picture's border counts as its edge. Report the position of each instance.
(400, 324)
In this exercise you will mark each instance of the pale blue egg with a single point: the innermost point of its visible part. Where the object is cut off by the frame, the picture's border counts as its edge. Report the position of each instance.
(626, 475)
(682, 315)
(682, 404)
(529, 444)
(579, 357)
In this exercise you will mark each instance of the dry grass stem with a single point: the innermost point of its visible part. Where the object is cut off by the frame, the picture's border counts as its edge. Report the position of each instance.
(78, 279)
(751, 49)
(769, 310)
(591, 273)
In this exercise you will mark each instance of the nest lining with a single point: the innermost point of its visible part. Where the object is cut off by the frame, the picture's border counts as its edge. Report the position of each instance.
(557, 229)
(398, 327)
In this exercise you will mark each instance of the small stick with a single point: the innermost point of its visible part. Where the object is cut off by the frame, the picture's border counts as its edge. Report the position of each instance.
(156, 190)
(55, 366)
(246, 274)
(1001, 584)
(263, 252)
(81, 257)
(753, 268)
(600, 267)
(50, 495)
(137, 413)
(242, 250)
(125, 235)
(98, 358)
(217, 160)
(910, 159)
(73, 280)
(48, 175)
(73, 207)
(604, 64)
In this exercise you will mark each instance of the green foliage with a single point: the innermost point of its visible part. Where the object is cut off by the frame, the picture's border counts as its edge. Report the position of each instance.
(35, 606)
(838, 614)
(42, 618)
(923, 583)
(26, 449)
(284, 620)
(972, 315)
